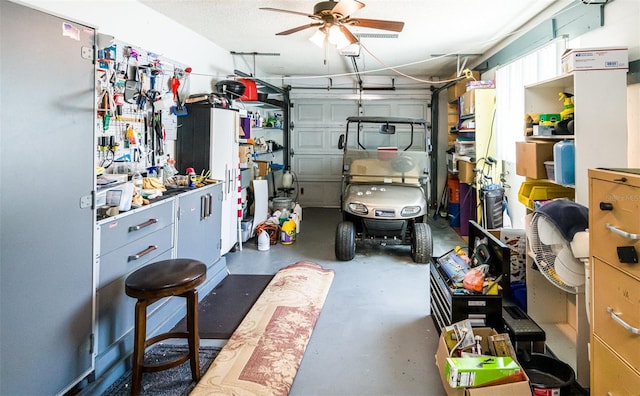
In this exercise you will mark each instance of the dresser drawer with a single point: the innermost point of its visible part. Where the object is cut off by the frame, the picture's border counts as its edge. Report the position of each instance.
(130, 227)
(611, 376)
(120, 262)
(614, 204)
(619, 292)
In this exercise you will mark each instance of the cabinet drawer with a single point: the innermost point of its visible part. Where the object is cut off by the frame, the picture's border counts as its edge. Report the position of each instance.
(115, 313)
(611, 376)
(620, 292)
(622, 211)
(131, 256)
(123, 230)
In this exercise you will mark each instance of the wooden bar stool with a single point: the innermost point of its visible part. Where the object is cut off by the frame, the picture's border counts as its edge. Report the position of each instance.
(174, 277)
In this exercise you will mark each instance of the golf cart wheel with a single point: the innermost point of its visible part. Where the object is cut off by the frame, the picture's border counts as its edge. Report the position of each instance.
(345, 241)
(421, 243)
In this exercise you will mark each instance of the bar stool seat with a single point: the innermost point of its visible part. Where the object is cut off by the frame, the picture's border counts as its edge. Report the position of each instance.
(166, 278)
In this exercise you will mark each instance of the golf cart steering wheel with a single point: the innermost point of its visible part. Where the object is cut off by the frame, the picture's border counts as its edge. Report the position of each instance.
(402, 163)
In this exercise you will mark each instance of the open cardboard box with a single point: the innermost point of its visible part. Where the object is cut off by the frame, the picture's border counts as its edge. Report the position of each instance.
(511, 389)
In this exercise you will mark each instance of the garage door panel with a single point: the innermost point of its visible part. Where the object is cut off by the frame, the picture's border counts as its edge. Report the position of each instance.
(319, 194)
(412, 110)
(312, 140)
(309, 139)
(318, 167)
(318, 124)
(309, 112)
(340, 112)
(377, 110)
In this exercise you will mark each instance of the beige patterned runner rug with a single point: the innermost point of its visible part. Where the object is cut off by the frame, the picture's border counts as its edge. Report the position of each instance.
(264, 353)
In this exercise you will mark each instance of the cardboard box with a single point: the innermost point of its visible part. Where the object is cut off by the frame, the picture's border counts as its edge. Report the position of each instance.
(465, 171)
(245, 153)
(586, 59)
(530, 158)
(468, 103)
(509, 389)
(262, 167)
(460, 87)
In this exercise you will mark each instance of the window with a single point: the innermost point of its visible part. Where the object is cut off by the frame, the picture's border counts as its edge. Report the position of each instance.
(511, 79)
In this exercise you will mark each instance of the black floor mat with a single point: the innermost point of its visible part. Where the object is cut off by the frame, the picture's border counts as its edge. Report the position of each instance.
(221, 311)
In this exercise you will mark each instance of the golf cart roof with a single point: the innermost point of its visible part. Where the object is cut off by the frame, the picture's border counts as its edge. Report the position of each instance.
(387, 120)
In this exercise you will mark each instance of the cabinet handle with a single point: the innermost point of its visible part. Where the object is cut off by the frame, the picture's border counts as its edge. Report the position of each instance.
(143, 253)
(627, 326)
(203, 207)
(622, 179)
(143, 225)
(210, 212)
(606, 206)
(622, 233)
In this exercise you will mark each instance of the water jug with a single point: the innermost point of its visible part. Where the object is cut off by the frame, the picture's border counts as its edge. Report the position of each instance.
(263, 241)
(564, 158)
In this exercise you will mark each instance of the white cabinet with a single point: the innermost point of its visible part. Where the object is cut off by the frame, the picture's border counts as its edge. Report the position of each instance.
(600, 141)
(208, 140)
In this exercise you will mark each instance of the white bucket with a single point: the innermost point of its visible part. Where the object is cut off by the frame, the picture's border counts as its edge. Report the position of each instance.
(281, 203)
(263, 241)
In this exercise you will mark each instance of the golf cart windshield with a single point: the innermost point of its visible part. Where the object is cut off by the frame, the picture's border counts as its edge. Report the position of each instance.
(386, 150)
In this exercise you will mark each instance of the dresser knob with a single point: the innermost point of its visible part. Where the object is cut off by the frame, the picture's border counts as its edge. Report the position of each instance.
(606, 206)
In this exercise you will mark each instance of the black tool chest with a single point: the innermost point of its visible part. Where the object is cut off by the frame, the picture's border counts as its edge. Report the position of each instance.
(448, 307)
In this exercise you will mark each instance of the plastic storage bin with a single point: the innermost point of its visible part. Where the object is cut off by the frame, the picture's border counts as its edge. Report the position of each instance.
(532, 191)
(465, 147)
(549, 166)
(565, 162)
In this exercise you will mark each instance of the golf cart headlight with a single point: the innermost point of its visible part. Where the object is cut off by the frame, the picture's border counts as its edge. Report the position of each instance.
(410, 211)
(358, 208)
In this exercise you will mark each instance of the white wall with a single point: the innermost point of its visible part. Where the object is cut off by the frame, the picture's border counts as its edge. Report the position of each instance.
(135, 23)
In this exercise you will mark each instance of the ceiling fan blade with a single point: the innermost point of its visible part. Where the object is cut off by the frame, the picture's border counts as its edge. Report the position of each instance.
(290, 12)
(299, 28)
(347, 7)
(352, 39)
(375, 24)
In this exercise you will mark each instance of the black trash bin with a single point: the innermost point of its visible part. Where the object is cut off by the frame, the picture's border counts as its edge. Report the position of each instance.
(547, 375)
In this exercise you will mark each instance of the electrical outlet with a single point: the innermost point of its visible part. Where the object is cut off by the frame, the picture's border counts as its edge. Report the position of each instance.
(86, 53)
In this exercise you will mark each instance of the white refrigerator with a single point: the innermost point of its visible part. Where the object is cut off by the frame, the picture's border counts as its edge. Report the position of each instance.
(208, 140)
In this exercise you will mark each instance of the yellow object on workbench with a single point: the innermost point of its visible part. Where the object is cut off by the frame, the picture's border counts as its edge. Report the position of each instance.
(153, 183)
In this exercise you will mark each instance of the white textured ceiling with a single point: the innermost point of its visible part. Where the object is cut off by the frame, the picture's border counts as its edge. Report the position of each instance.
(432, 27)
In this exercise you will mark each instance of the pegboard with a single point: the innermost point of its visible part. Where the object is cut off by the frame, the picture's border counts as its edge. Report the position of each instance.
(139, 99)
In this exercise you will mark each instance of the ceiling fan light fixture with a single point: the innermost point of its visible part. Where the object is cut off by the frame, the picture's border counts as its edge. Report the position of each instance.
(337, 37)
(318, 38)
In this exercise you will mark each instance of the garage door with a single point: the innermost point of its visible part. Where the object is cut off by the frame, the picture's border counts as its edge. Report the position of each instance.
(317, 125)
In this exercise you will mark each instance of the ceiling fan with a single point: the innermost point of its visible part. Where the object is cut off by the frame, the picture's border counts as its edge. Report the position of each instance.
(333, 18)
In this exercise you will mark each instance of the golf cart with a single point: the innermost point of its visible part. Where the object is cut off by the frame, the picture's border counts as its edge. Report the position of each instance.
(385, 185)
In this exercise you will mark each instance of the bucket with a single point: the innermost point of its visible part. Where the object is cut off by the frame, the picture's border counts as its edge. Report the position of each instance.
(454, 214)
(288, 232)
(548, 376)
(281, 203)
(453, 184)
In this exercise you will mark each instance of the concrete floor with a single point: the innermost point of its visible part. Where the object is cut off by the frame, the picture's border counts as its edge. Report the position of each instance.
(374, 335)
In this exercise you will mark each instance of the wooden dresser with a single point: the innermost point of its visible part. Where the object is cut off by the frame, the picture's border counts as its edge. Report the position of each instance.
(614, 240)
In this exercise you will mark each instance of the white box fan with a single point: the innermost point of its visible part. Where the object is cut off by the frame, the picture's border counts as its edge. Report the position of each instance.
(559, 243)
